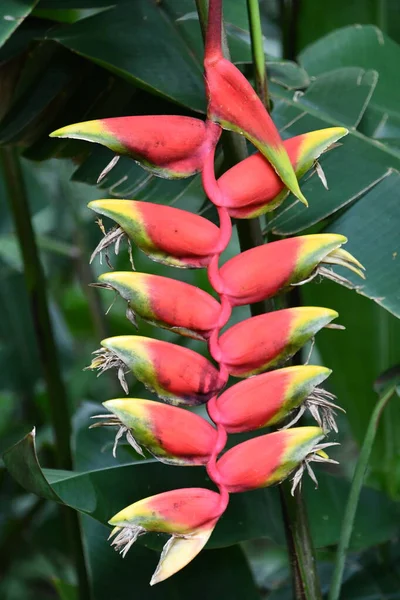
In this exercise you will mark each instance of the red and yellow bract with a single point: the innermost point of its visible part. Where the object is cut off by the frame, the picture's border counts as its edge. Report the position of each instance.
(177, 375)
(168, 146)
(266, 341)
(165, 302)
(267, 459)
(173, 435)
(253, 187)
(267, 398)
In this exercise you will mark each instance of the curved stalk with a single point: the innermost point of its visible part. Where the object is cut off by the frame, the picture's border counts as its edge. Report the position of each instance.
(355, 490)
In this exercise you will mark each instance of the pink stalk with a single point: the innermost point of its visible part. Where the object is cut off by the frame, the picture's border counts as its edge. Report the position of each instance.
(214, 193)
(213, 46)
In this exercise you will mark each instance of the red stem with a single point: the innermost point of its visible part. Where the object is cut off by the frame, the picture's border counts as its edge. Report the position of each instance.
(213, 46)
(213, 192)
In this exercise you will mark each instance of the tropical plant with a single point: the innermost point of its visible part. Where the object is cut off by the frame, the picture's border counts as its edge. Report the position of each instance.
(244, 189)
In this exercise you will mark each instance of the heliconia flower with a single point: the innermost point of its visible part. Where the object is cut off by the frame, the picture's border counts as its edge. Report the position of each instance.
(168, 235)
(177, 375)
(252, 187)
(267, 459)
(266, 399)
(266, 341)
(167, 146)
(233, 104)
(173, 435)
(165, 302)
(189, 515)
(266, 270)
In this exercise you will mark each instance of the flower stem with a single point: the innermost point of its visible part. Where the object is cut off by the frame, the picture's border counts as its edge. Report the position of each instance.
(302, 553)
(36, 288)
(355, 490)
(299, 542)
(257, 48)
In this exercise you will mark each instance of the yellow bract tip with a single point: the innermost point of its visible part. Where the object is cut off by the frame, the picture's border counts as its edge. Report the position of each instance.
(80, 131)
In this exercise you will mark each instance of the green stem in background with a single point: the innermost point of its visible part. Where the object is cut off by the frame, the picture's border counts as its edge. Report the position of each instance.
(355, 490)
(202, 11)
(304, 564)
(300, 545)
(299, 542)
(381, 14)
(257, 49)
(36, 288)
(289, 14)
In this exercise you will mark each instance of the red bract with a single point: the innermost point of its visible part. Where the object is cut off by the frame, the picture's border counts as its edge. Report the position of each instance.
(173, 435)
(252, 187)
(166, 234)
(267, 341)
(164, 302)
(264, 271)
(168, 146)
(189, 515)
(267, 459)
(234, 104)
(177, 375)
(178, 511)
(266, 399)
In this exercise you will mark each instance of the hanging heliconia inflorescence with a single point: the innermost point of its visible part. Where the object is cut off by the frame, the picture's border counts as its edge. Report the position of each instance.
(176, 147)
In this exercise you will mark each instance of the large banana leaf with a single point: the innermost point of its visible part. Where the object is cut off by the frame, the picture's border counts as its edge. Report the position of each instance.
(249, 515)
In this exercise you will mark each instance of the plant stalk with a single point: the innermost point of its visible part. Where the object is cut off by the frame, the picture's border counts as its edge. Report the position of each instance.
(300, 548)
(36, 288)
(257, 49)
(354, 495)
(306, 584)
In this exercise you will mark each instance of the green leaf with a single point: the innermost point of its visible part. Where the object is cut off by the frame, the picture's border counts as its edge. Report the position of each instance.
(12, 14)
(368, 346)
(138, 42)
(316, 19)
(103, 491)
(366, 191)
(22, 462)
(366, 47)
(18, 351)
(341, 95)
(345, 92)
(361, 161)
(77, 4)
(374, 575)
(128, 180)
(65, 591)
(371, 226)
(48, 79)
(287, 74)
(67, 15)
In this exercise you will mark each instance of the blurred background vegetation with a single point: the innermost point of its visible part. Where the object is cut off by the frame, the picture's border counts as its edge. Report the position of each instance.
(63, 61)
